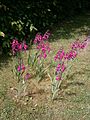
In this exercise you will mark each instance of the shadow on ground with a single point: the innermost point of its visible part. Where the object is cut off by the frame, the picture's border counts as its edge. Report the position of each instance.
(78, 25)
(4, 60)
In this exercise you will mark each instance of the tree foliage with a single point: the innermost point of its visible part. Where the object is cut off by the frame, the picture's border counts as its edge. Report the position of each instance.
(19, 18)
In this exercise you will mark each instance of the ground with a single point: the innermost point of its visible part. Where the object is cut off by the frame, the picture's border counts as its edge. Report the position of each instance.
(73, 102)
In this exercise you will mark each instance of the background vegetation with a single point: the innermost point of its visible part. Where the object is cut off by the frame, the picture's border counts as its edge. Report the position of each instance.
(23, 18)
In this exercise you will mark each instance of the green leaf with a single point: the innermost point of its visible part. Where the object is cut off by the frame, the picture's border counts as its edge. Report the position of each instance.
(2, 34)
(32, 28)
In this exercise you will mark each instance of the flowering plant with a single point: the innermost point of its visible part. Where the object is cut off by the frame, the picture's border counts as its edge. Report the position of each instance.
(62, 65)
(20, 68)
(35, 61)
(42, 48)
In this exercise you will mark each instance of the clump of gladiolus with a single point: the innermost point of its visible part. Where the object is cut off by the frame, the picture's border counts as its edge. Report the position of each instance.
(39, 38)
(77, 45)
(61, 56)
(17, 47)
(42, 51)
(42, 45)
(61, 60)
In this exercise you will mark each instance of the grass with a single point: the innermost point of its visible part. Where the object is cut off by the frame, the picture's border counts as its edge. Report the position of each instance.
(73, 102)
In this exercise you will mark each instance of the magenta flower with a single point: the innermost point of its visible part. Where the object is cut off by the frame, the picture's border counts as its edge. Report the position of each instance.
(71, 55)
(83, 45)
(76, 45)
(59, 55)
(74, 54)
(66, 56)
(39, 38)
(62, 54)
(44, 49)
(21, 68)
(79, 45)
(63, 68)
(44, 55)
(58, 78)
(58, 68)
(56, 57)
(46, 35)
(25, 46)
(27, 76)
(20, 47)
(17, 47)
